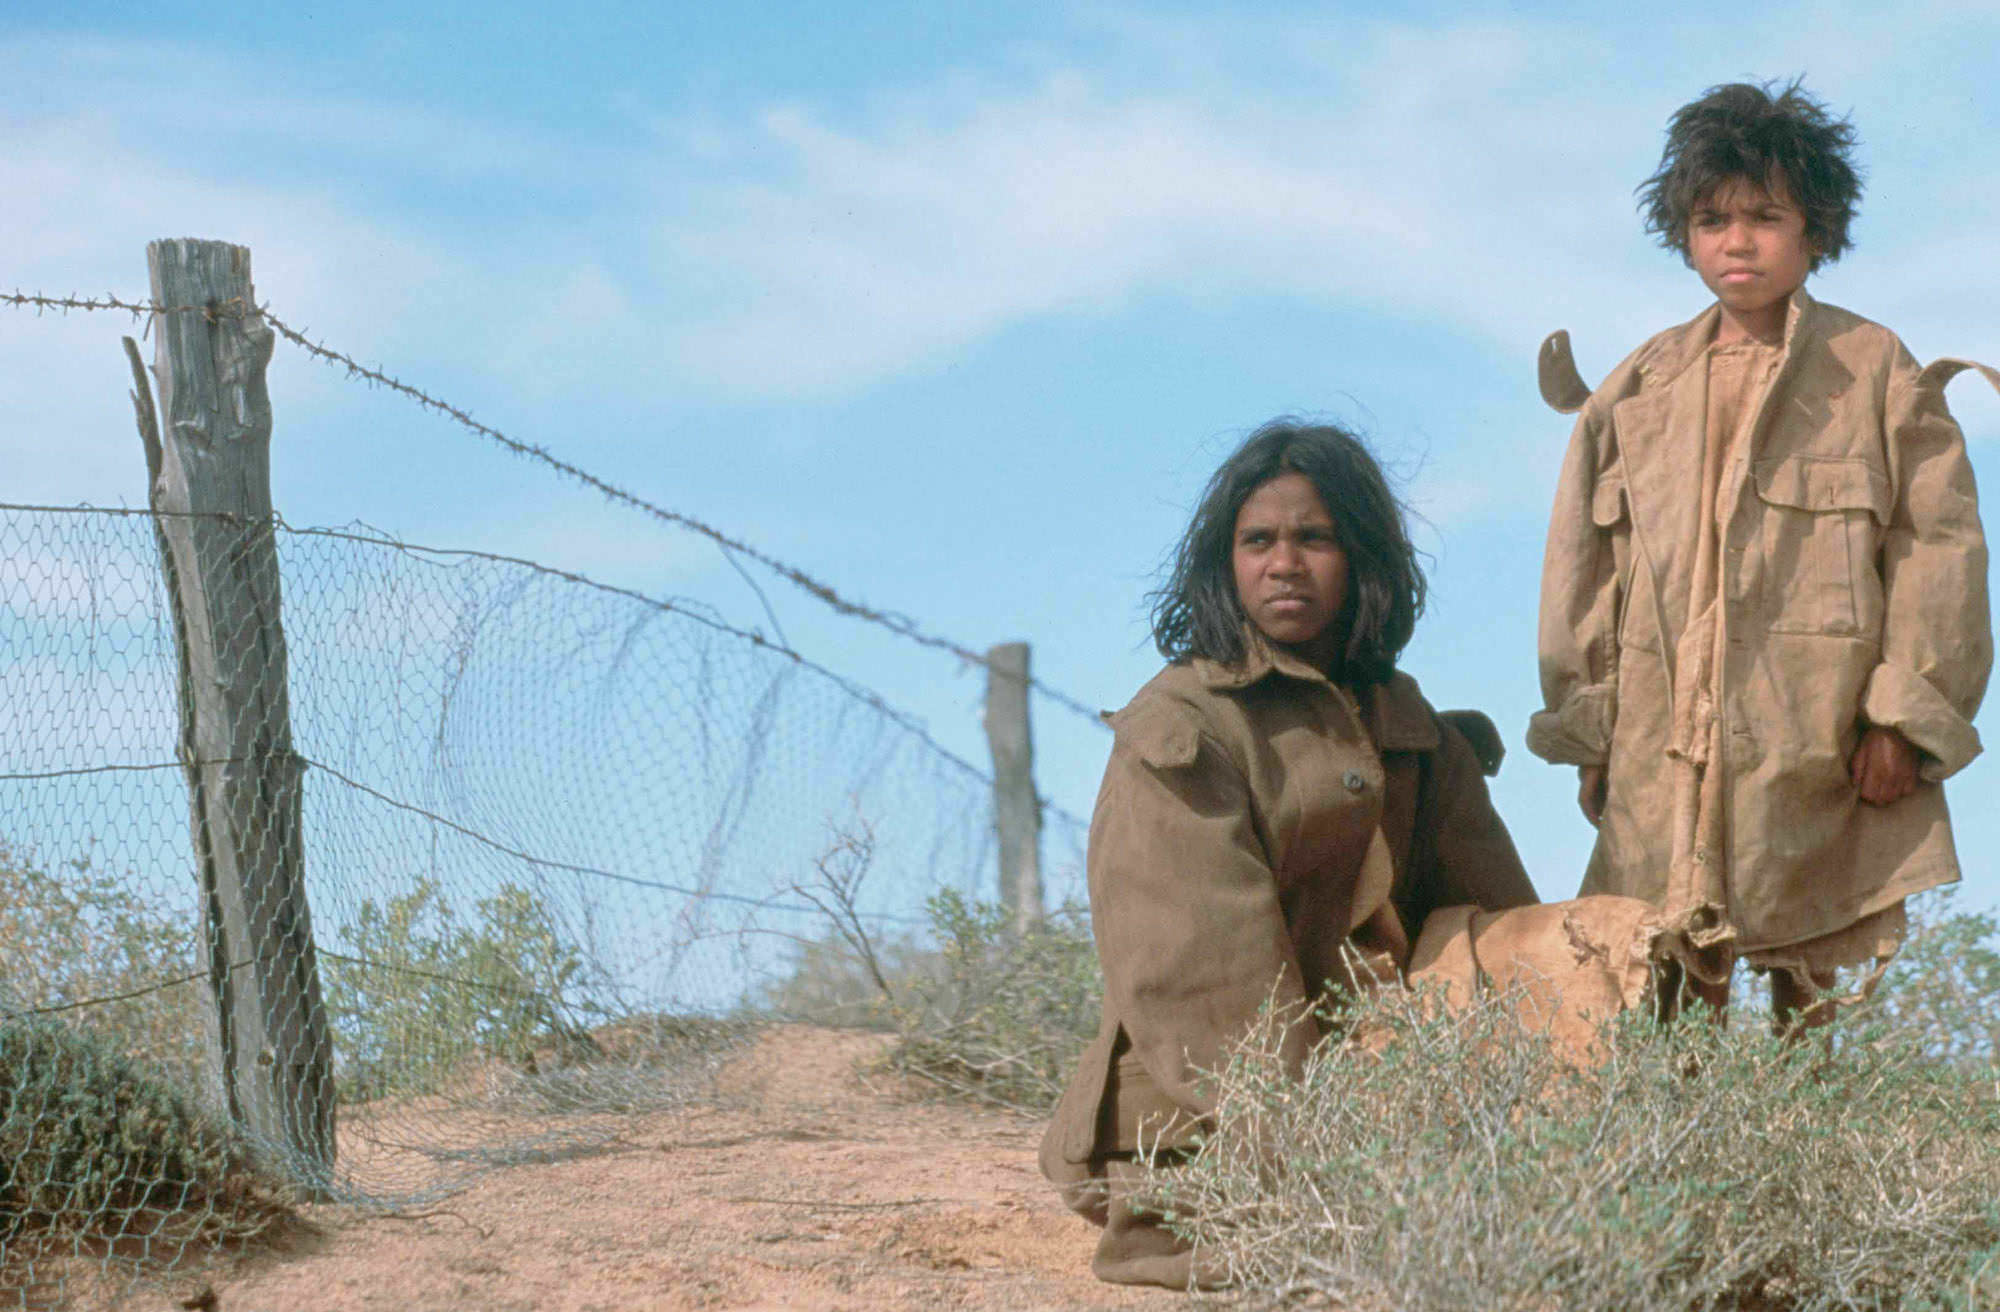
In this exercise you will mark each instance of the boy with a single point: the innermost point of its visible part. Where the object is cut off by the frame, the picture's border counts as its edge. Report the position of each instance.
(1764, 627)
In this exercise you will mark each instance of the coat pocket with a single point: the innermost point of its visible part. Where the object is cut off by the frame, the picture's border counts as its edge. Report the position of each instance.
(1611, 512)
(1607, 500)
(1822, 527)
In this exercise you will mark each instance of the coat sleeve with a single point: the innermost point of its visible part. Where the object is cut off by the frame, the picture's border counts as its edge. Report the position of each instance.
(1937, 636)
(1469, 853)
(1184, 903)
(1580, 603)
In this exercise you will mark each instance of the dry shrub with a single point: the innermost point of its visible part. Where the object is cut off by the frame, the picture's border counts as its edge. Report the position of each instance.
(94, 941)
(1007, 1014)
(99, 1157)
(980, 1010)
(1462, 1164)
(830, 982)
(426, 992)
(1943, 990)
(643, 1063)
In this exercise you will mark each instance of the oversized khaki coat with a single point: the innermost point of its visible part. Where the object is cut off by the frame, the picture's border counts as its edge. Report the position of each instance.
(1255, 818)
(1853, 593)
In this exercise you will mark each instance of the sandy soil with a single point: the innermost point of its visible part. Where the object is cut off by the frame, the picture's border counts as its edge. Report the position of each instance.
(810, 1186)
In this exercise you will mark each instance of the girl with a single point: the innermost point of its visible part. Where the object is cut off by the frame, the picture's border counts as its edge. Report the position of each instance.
(1282, 810)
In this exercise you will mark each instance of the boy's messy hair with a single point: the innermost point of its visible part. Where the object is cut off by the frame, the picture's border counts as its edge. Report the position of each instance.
(1757, 133)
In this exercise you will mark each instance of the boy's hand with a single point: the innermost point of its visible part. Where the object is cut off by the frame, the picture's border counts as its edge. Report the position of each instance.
(1591, 783)
(1883, 767)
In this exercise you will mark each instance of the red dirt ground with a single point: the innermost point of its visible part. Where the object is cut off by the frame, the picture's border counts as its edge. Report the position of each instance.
(809, 1185)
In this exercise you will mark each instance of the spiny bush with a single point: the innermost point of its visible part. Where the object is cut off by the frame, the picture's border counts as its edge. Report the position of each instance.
(96, 1149)
(1455, 1161)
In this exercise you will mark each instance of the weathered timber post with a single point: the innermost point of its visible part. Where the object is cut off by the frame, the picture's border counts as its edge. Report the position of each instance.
(208, 454)
(1017, 813)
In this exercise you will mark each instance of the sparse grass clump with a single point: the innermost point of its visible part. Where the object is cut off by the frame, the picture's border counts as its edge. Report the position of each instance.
(1455, 1162)
(96, 1150)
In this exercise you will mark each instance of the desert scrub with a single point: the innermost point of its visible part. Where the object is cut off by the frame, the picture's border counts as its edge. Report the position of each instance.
(1943, 990)
(829, 982)
(980, 1010)
(95, 1149)
(83, 939)
(1006, 1015)
(422, 992)
(1453, 1161)
(638, 1063)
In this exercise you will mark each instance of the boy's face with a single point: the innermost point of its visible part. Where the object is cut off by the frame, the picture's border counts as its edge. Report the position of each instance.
(1749, 246)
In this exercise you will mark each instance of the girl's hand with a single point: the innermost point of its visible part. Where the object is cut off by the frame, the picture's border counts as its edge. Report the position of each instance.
(1592, 781)
(1883, 767)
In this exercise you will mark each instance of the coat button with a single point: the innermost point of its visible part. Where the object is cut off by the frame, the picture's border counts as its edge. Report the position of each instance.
(1354, 781)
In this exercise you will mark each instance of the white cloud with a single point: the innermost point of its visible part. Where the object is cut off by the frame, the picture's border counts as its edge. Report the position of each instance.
(1480, 175)
(895, 246)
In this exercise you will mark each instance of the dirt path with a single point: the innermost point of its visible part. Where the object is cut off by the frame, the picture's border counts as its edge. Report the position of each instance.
(817, 1191)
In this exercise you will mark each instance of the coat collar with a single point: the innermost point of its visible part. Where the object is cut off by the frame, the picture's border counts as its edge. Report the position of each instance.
(1396, 714)
(1672, 352)
(1260, 660)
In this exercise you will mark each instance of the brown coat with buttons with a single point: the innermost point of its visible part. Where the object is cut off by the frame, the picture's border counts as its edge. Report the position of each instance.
(1853, 593)
(1255, 818)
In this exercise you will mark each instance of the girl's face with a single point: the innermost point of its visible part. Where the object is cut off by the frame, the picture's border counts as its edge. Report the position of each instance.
(1291, 575)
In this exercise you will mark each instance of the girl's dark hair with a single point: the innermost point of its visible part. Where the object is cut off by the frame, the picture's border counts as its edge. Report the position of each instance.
(1756, 133)
(1196, 613)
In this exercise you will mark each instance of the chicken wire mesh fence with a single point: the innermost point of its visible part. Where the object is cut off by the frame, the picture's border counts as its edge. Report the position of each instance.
(556, 840)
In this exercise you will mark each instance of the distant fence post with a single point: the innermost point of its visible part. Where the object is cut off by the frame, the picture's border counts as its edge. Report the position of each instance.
(209, 460)
(1017, 813)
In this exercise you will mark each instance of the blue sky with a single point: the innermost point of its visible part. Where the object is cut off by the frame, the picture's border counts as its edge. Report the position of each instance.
(954, 306)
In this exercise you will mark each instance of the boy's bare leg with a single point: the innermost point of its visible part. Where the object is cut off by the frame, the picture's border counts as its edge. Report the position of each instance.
(1674, 988)
(1799, 1008)
(1592, 784)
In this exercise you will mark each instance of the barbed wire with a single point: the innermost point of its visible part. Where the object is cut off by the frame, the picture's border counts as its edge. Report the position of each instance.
(895, 622)
(110, 301)
(899, 624)
(482, 753)
(860, 692)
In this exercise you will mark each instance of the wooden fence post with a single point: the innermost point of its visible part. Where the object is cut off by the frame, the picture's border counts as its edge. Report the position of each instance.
(209, 460)
(1017, 812)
